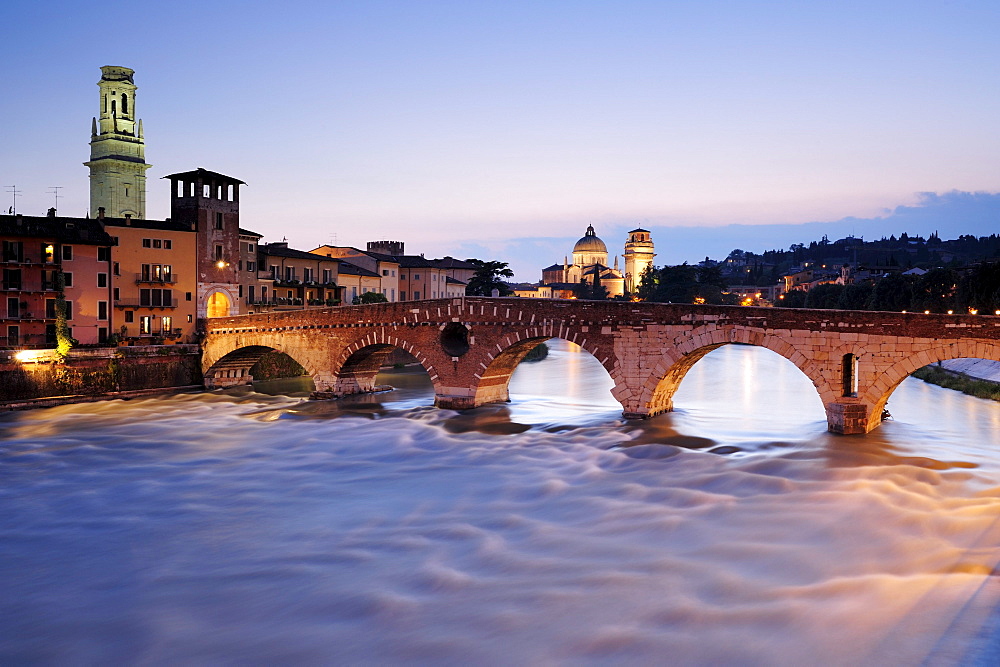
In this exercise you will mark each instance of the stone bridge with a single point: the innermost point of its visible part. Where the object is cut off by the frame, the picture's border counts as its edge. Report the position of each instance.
(470, 346)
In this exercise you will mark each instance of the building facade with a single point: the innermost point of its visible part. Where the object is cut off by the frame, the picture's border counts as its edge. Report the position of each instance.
(46, 260)
(154, 279)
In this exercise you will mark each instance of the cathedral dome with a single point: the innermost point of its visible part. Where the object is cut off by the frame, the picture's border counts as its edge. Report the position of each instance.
(590, 243)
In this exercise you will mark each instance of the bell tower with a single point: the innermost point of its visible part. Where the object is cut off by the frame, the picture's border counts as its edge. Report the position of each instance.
(638, 255)
(117, 149)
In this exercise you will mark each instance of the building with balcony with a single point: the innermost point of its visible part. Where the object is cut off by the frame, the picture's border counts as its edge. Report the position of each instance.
(43, 259)
(298, 278)
(153, 278)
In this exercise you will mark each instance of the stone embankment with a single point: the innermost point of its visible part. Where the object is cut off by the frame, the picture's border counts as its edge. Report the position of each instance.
(37, 378)
(980, 369)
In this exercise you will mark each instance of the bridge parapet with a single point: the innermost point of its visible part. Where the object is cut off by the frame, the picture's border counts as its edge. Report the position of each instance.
(855, 359)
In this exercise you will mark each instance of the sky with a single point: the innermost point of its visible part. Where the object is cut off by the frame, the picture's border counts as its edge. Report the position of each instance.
(502, 129)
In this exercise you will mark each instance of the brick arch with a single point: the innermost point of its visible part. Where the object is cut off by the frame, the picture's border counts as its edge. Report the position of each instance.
(659, 388)
(233, 368)
(492, 383)
(891, 377)
(355, 368)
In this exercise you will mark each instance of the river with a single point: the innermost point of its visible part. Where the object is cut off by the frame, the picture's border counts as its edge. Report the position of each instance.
(259, 528)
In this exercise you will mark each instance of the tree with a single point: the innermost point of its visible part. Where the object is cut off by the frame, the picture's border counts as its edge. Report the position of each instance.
(369, 297)
(488, 277)
(855, 297)
(793, 299)
(935, 291)
(824, 296)
(64, 342)
(892, 292)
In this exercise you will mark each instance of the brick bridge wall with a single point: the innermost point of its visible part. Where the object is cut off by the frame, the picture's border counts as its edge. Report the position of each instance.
(470, 346)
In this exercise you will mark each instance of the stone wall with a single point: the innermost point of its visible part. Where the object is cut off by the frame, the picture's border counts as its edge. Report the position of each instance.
(90, 372)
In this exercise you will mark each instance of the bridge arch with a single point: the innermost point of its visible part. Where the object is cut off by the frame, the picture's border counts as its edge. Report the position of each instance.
(497, 368)
(657, 394)
(889, 379)
(233, 368)
(354, 370)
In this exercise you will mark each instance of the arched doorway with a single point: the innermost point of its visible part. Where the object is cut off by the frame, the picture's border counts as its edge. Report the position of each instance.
(218, 305)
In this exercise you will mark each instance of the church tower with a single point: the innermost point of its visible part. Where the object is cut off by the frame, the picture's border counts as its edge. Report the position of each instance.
(638, 255)
(117, 150)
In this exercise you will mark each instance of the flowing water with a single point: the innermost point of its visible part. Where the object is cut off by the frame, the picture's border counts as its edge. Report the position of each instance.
(255, 528)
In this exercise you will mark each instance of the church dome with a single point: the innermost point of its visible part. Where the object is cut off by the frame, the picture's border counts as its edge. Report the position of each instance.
(590, 243)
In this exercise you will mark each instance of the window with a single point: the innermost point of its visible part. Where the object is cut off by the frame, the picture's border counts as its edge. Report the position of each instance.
(116, 294)
(416, 276)
(12, 278)
(155, 297)
(327, 276)
(102, 280)
(250, 293)
(385, 272)
(48, 253)
(850, 375)
(13, 335)
(206, 191)
(147, 243)
(218, 253)
(240, 290)
(102, 334)
(69, 310)
(102, 310)
(251, 267)
(434, 277)
(104, 254)
(67, 253)
(157, 243)
(116, 269)
(416, 296)
(218, 221)
(289, 273)
(13, 251)
(187, 296)
(67, 279)
(145, 325)
(13, 306)
(166, 323)
(307, 274)
(190, 318)
(129, 315)
(402, 295)
(167, 244)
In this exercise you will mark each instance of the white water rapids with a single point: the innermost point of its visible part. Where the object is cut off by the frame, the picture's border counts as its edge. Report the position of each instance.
(248, 528)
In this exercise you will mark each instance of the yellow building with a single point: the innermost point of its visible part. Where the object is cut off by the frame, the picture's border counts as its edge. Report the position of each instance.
(154, 279)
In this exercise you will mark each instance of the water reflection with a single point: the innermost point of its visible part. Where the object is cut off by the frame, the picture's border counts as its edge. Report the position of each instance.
(238, 526)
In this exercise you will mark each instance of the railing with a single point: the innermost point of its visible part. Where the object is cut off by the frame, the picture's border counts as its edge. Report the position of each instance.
(138, 303)
(158, 280)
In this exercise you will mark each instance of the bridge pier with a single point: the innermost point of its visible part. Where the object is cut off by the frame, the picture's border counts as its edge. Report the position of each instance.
(849, 418)
(458, 398)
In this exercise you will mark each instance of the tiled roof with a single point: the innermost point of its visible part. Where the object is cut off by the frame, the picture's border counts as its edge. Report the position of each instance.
(160, 225)
(281, 251)
(346, 268)
(84, 231)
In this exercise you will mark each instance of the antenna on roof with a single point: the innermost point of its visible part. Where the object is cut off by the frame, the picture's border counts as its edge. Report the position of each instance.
(333, 239)
(54, 190)
(15, 192)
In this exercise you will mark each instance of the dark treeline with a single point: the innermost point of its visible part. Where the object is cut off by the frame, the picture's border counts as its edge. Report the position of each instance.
(938, 291)
(889, 253)
(685, 284)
